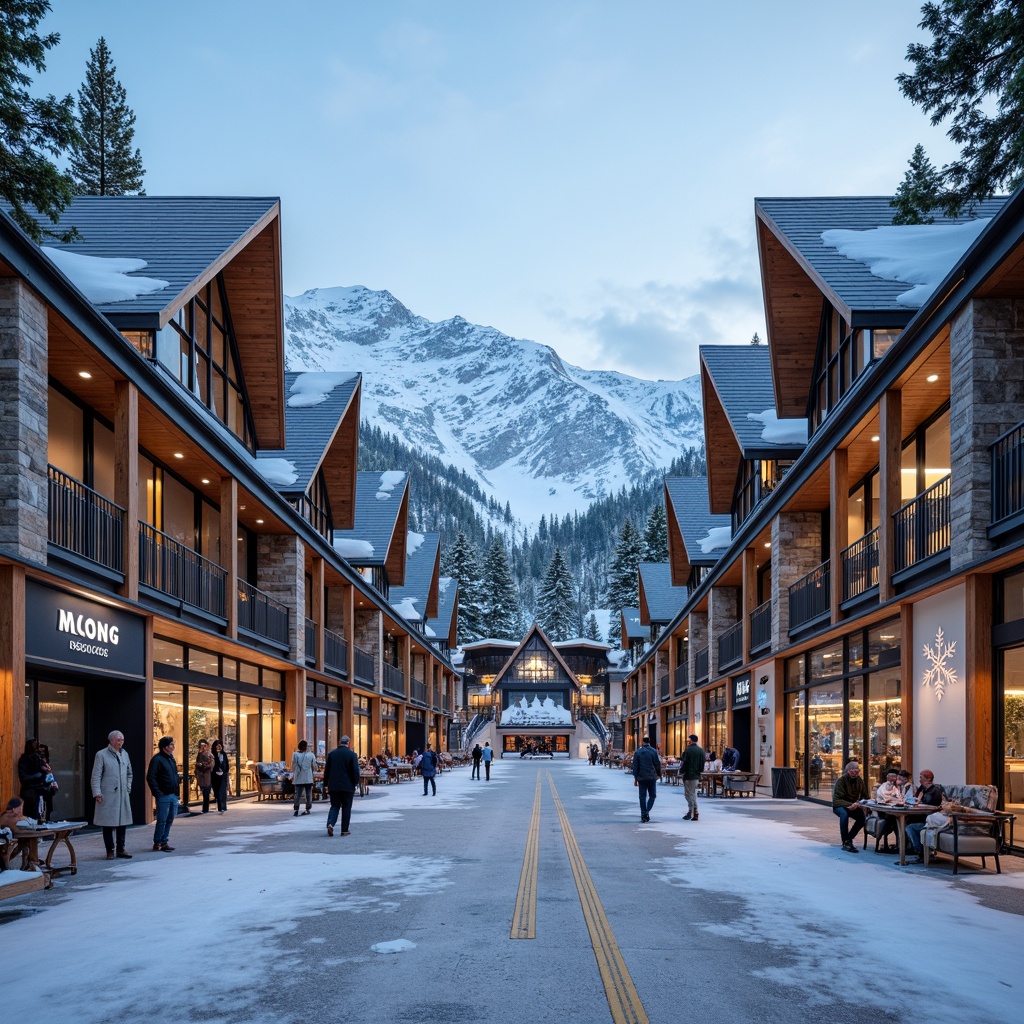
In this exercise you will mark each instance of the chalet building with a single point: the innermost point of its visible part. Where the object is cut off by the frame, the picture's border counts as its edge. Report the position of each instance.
(171, 503)
(552, 697)
(867, 602)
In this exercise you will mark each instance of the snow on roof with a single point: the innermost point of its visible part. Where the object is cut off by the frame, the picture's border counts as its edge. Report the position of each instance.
(778, 431)
(388, 482)
(717, 537)
(414, 543)
(103, 278)
(916, 254)
(280, 472)
(313, 388)
(352, 548)
(407, 609)
(444, 582)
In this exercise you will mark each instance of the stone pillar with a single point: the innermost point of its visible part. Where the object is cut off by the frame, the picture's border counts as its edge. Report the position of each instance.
(368, 636)
(698, 638)
(23, 422)
(723, 612)
(281, 574)
(986, 399)
(796, 550)
(126, 488)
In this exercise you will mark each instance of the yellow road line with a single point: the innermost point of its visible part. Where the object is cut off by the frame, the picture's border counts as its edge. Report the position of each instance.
(623, 1000)
(524, 919)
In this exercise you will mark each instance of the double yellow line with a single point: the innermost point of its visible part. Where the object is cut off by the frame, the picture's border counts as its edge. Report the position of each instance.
(623, 1000)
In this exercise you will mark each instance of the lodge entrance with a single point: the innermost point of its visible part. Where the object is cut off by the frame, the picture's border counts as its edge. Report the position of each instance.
(524, 744)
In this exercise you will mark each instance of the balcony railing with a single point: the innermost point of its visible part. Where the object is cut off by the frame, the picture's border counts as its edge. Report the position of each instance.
(417, 691)
(809, 597)
(922, 526)
(310, 642)
(365, 666)
(336, 653)
(1008, 475)
(177, 571)
(860, 566)
(682, 679)
(730, 647)
(259, 613)
(666, 691)
(394, 680)
(702, 665)
(761, 628)
(84, 522)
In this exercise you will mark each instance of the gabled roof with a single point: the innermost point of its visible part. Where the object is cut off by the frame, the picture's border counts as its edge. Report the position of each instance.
(659, 601)
(382, 516)
(798, 270)
(416, 599)
(187, 241)
(692, 527)
(322, 431)
(445, 625)
(633, 628)
(535, 632)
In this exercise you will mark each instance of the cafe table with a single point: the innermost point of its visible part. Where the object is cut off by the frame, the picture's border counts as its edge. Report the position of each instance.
(402, 771)
(901, 812)
(27, 838)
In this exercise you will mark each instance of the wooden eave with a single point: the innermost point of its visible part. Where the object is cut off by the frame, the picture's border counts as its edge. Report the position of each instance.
(340, 463)
(433, 592)
(394, 561)
(722, 447)
(645, 614)
(678, 560)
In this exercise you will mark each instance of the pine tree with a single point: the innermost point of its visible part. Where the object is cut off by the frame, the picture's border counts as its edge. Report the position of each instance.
(103, 163)
(623, 589)
(32, 130)
(556, 600)
(463, 564)
(656, 536)
(591, 630)
(920, 191)
(756, 339)
(501, 616)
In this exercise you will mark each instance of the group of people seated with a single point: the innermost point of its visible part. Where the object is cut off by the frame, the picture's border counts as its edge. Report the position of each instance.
(851, 796)
(728, 762)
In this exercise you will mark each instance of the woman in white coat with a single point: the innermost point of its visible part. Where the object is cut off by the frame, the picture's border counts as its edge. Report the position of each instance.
(111, 789)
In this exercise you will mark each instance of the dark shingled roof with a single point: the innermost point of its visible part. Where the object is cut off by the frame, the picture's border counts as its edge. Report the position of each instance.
(419, 574)
(440, 628)
(662, 599)
(376, 518)
(802, 220)
(742, 376)
(631, 627)
(179, 237)
(309, 428)
(689, 496)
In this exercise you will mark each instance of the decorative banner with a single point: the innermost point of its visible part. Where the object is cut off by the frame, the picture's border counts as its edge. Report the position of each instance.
(941, 674)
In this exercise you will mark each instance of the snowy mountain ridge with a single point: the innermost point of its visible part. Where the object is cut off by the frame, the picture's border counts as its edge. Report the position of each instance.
(532, 429)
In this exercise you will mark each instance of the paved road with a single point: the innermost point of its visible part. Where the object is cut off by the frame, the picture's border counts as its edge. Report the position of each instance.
(753, 914)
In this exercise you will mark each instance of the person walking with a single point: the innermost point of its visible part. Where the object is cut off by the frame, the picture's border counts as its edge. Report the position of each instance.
(428, 769)
(219, 775)
(111, 790)
(341, 779)
(693, 765)
(204, 773)
(303, 766)
(164, 783)
(478, 753)
(646, 772)
(488, 756)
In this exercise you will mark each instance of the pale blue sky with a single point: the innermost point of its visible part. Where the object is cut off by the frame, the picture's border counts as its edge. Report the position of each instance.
(578, 173)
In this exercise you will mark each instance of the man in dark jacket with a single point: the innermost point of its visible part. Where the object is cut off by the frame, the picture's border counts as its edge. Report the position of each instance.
(341, 777)
(730, 760)
(428, 769)
(848, 796)
(646, 772)
(164, 783)
(478, 753)
(693, 765)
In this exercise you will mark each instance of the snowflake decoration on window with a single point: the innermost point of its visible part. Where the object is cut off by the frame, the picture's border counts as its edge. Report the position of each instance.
(941, 674)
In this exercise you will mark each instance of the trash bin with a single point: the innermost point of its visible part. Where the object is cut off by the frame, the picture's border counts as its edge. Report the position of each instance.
(784, 783)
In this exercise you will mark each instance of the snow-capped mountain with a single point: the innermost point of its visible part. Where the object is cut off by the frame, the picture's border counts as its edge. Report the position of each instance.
(531, 429)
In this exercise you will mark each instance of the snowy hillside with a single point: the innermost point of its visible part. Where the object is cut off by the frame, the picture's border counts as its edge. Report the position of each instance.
(533, 430)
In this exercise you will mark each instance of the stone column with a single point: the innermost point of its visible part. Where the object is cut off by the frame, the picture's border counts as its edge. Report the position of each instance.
(796, 550)
(281, 575)
(698, 638)
(723, 605)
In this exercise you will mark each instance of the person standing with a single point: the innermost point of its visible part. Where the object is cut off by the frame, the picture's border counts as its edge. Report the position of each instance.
(341, 778)
(488, 757)
(219, 775)
(303, 766)
(693, 765)
(204, 773)
(111, 789)
(730, 759)
(848, 796)
(50, 786)
(646, 772)
(428, 769)
(33, 780)
(164, 783)
(478, 753)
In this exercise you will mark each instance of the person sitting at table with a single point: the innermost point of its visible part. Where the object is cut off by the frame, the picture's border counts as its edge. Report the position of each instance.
(906, 783)
(712, 763)
(14, 812)
(848, 797)
(730, 759)
(889, 792)
(929, 795)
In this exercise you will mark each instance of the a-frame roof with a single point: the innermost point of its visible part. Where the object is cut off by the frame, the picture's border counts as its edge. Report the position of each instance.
(322, 432)
(417, 599)
(382, 518)
(533, 631)
(633, 628)
(445, 625)
(660, 602)
(695, 535)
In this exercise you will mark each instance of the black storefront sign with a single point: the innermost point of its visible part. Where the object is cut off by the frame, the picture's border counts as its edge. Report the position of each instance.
(69, 632)
(741, 692)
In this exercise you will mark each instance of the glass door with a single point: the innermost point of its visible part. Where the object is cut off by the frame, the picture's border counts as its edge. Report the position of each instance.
(61, 727)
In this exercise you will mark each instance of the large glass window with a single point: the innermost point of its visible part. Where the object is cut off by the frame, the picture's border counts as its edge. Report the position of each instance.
(1013, 729)
(361, 726)
(796, 725)
(825, 729)
(272, 722)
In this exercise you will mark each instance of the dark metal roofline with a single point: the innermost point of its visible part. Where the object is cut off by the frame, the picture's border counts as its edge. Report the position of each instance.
(967, 275)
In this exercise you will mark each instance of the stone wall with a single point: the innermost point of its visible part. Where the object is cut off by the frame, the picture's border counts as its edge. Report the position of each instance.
(281, 575)
(796, 550)
(724, 605)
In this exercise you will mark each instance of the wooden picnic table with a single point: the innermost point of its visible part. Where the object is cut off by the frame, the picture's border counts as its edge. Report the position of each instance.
(27, 839)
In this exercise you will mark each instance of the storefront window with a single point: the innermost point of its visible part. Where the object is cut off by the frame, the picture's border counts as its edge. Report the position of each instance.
(203, 661)
(827, 662)
(1013, 729)
(361, 726)
(169, 717)
(884, 725)
(166, 652)
(229, 737)
(796, 721)
(203, 720)
(855, 734)
(273, 733)
(272, 679)
(248, 731)
(1013, 598)
(825, 729)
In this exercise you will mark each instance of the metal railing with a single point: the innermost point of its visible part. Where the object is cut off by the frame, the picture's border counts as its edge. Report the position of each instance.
(682, 679)
(730, 647)
(84, 522)
(761, 627)
(922, 526)
(702, 665)
(261, 614)
(665, 688)
(336, 652)
(310, 641)
(417, 690)
(394, 680)
(809, 597)
(173, 569)
(1008, 474)
(860, 565)
(365, 666)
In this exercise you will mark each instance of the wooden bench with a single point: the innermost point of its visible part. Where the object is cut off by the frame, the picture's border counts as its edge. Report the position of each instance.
(744, 783)
(15, 882)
